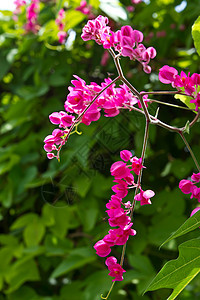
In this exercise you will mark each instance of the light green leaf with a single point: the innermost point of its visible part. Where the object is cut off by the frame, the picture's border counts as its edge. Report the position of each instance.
(196, 34)
(73, 18)
(176, 274)
(23, 221)
(189, 225)
(72, 262)
(94, 3)
(186, 101)
(20, 272)
(34, 233)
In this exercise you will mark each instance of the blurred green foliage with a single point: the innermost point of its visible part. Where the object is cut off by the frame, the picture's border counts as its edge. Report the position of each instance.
(52, 213)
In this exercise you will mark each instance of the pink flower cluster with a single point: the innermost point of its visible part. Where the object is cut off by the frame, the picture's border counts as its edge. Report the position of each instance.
(80, 96)
(17, 11)
(186, 83)
(127, 42)
(117, 215)
(189, 187)
(85, 9)
(115, 269)
(32, 17)
(59, 22)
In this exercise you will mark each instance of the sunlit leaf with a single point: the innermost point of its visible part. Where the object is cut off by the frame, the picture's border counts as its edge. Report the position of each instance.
(189, 225)
(196, 34)
(176, 274)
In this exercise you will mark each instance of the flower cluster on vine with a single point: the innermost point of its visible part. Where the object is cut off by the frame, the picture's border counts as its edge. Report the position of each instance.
(32, 16)
(60, 23)
(126, 41)
(80, 96)
(189, 187)
(118, 211)
(186, 83)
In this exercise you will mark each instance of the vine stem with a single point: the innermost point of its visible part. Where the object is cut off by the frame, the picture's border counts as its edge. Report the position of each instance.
(164, 93)
(190, 150)
(172, 105)
(110, 290)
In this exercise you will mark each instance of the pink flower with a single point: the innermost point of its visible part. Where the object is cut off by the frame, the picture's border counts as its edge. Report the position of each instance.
(144, 197)
(120, 236)
(195, 177)
(196, 193)
(186, 186)
(50, 155)
(107, 40)
(194, 211)
(62, 36)
(167, 74)
(115, 269)
(111, 260)
(125, 155)
(120, 220)
(136, 1)
(113, 203)
(119, 170)
(136, 165)
(55, 118)
(95, 28)
(67, 120)
(196, 101)
(102, 248)
(120, 189)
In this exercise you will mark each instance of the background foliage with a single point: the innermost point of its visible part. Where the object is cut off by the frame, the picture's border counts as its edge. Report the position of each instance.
(52, 213)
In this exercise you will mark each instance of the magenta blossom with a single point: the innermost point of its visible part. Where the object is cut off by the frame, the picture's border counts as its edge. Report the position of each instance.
(167, 74)
(125, 155)
(119, 170)
(115, 269)
(136, 165)
(186, 186)
(194, 211)
(196, 177)
(102, 248)
(144, 197)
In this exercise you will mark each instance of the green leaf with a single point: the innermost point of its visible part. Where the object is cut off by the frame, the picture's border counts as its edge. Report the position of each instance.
(186, 101)
(34, 233)
(73, 18)
(4, 66)
(189, 225)
(77, 259)
(94, 3)
(196, 34)
(24, 293)
(20, 272)
(23, 221)
(176, 274)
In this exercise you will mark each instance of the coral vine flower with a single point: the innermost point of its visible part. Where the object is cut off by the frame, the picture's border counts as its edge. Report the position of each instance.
(119, 170)
(136, 165)
(102, 248)
(195, 177)
(186, 186)
(115, 269)
(167, 74)
(125, 155)
(144, 197)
